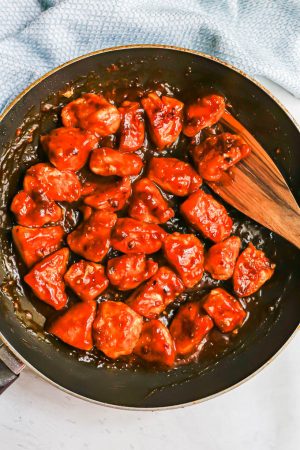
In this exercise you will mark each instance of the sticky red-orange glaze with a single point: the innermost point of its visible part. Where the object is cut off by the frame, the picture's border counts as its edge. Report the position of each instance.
(68, 148)
(252, 270)
(147, 203)
(165, 118)
(132, 128)
(91, 239)
(33, 211)
(134, 236)
(54, 184)
(174, 176)
(207, 215)
(221, 258)
(46, 278)
(129, 271)
(156, 344)
(93, 113)
(74, 327)
(218, 153)
(189, 327)
(34, 244)
(106, 161)
(116, 329)
(205, 112)
(184, 252)
(87, 279)
(107, 204)
(156, 294)
(224, 309)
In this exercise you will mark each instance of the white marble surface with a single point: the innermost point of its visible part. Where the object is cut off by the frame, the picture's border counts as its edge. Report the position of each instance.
(262, 414)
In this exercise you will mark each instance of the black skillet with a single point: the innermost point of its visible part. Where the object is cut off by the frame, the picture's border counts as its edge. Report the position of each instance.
(274, 311)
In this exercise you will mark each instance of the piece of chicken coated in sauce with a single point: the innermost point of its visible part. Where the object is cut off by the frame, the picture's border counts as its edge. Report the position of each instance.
(134, 236)
(147, 203)
(189, 327)
(91, 239)
(93, 113)
(34, 211)
(252, 270)
(221, 258)
(156, 344)
(86, 279)
(224, 309)
(34, 244)
(205, 112)
(129, 271)
(107, 162)
(152, 298)
(218, 153)
(184, 252)
(74, 327)
(132, 128)
(207, 215)
(68, 148)
(47, 181)
(108, 195)
(116, 329)
(165, 118)
(46, 278)
(174, 176)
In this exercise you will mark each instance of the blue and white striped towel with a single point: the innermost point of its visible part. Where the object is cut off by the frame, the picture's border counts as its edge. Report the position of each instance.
(261, 37)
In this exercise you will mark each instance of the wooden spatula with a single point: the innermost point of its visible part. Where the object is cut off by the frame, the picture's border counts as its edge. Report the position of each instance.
(259, 190)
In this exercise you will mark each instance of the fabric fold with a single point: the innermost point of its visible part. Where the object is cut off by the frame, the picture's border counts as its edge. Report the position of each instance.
(261, 37)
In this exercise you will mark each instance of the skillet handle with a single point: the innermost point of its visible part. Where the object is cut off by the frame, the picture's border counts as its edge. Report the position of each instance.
(10, 367)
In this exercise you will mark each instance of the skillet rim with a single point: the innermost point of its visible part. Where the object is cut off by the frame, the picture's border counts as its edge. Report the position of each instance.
(183, 50)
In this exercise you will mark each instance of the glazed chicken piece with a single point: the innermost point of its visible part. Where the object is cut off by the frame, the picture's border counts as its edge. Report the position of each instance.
(251, 271)
(129, 271)
(218, 153)
(86, 279)
(152, 298)
(46, 278)
(75, 326)
(106, 161)
(35, 244)
(116, 329)
(54, 184)
(156, 344)
(189, 327)
(93, 113)
(174, 176)
(184, 252)
(132, 128)
(68, 148)
(225, 310)
(205, 112)
(107, 195)
(148, 204)
(165, 119)
(221, 258)
(32, 211)
(207, 215)
(91, 239)
(133, 236)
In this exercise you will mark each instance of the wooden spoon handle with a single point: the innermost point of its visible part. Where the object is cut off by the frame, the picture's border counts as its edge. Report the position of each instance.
(259, 190)
(257, 149)
(291, 231)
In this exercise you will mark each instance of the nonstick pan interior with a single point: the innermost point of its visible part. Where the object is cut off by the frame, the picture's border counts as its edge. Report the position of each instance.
(277, 307)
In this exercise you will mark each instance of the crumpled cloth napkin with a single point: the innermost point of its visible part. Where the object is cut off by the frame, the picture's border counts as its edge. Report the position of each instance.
(262, 37)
